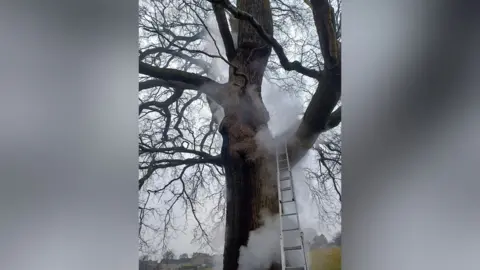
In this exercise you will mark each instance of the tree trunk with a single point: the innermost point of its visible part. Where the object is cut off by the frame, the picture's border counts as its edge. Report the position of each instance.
(250, 180)
(249, 165)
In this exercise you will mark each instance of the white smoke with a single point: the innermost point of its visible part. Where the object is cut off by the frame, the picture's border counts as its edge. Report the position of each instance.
(218, 68)
(263, 245)
(218, 262)
(283, 107)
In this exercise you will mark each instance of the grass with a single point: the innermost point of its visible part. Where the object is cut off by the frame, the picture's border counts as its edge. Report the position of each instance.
(326, 259)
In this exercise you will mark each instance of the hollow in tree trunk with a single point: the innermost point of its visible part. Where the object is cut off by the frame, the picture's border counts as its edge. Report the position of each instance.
(249, 165)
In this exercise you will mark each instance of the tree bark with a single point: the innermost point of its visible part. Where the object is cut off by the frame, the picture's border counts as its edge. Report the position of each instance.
(249, 165)
(251, 188)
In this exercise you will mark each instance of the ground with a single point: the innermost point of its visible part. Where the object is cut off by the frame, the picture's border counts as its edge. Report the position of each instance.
(326, 259)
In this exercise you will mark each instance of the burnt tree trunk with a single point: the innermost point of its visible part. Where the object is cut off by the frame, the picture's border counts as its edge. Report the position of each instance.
(250, 176)
(249, 165)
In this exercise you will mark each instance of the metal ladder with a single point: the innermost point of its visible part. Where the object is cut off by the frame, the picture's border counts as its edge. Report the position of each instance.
(286, 187)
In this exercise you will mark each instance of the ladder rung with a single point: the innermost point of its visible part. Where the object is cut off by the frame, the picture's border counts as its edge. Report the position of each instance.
(289, 214)
(292, 229)
(289, 201)
(286, 189)
(285, 178)
(294, 268)
(283, 168)
(292, 248)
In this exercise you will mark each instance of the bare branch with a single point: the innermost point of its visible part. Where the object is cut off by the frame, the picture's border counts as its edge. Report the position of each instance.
(163, 104)
(198, 62)
(224, 31)
(168, 163)
(316, 116)
(172, 150)
(286, 64)
(203, 84)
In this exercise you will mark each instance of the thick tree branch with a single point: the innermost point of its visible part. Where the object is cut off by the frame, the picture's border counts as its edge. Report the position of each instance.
(224, 30)
(317, 115)
(307, 2)
(163, 83)
(324, 17)
(334, 119)
(286, 64)
(191, 81)
(170, 74)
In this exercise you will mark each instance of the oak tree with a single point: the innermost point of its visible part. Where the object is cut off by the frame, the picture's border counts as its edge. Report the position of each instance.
(247, 152)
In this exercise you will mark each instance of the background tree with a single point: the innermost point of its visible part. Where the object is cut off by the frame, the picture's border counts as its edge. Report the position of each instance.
(169, 255)
(183, 256)
(200, 254)
(337, 240)
(180, 158)
(324, 179)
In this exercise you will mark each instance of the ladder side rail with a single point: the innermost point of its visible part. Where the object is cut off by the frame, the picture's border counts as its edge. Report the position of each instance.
(282, 252)
(296, 207)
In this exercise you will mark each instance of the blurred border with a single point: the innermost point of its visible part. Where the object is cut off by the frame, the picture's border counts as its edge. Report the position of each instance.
(68, 135)
(410, 135)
